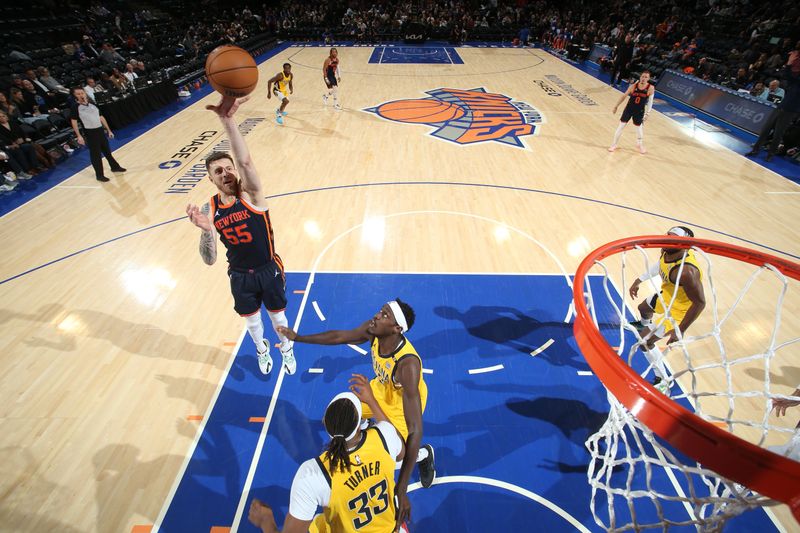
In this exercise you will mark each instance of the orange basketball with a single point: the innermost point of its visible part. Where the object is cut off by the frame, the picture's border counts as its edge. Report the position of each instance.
(231, 71)
(420, 111)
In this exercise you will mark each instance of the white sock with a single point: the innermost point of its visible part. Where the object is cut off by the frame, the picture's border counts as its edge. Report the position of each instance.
(256, 329)
(646, 321)
(336, 94)
(656, 359)
(618, 133)
(279, 319)
(640, 134)
(422, 454)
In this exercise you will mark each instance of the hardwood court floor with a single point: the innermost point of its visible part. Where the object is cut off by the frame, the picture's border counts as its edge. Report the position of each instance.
(95, 346)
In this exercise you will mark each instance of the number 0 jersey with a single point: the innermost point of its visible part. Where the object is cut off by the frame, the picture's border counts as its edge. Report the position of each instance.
(638, 98)
(246, 232)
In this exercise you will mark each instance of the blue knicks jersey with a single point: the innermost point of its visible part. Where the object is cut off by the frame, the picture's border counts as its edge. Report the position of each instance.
(246, 232)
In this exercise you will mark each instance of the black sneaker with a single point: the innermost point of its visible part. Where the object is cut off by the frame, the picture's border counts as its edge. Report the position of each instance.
(638, 325)
(119, 169)
(427, 468)
(661, 386)
(102, 178)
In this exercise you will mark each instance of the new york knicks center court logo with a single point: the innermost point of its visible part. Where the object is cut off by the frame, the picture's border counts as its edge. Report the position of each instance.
(466, 116)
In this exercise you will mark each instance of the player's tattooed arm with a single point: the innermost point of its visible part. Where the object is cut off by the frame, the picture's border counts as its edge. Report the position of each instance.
(208, 244)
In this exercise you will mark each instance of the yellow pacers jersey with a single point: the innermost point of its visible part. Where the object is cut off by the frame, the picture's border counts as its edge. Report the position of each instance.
(283, 83)
(388, 393)
(362, 499)
(682, 302)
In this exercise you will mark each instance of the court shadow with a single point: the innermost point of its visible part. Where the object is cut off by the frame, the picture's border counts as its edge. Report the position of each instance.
(334, 366)
(786, 376)
(569, 416)
(30, 501)
(504, 328)
(128, 201)
(120, 473)
(480, 509)
(312, 129)
(298, 434)
(143, 339)
(278, 499)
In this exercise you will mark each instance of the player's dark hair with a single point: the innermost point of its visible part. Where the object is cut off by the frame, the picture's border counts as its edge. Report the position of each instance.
(216, 156)
(645, 70)
(407, 312)
(340, 419)
(287, 65)
(332, 49)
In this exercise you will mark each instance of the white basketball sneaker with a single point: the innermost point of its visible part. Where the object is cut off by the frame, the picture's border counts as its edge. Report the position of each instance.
(264, 358)
(324, 99)
(287, 353)
(337, 105)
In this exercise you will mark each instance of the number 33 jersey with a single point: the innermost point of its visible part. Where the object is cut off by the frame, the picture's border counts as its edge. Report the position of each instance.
(246, 232)
(359, 500)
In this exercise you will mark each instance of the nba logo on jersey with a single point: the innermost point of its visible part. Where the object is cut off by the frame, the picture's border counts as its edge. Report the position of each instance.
(466, 116)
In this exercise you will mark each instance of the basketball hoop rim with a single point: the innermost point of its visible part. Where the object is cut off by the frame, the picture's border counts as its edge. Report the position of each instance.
(761, 470)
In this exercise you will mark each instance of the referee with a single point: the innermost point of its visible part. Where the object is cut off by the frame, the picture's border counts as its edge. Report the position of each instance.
(93, 123)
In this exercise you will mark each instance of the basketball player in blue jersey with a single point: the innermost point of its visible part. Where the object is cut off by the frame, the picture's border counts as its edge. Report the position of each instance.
(239, 214)
(640, 102)
(331, 77)
(397, 386)
(282, 89)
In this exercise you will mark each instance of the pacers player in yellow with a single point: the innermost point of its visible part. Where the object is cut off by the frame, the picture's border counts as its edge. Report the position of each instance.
(398, 385)
(660, 314)
(282, 88)
(353, 480)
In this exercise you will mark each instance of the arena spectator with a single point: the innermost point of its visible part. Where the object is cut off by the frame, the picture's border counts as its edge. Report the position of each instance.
(120, 82)
(130, 73)
(109, 55)
(776, 92)
(759, 91)
(18, 149)
(25, 102)
(50, 82)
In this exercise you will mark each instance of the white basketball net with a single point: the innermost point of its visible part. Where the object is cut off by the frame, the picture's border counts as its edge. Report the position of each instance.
(628, 461)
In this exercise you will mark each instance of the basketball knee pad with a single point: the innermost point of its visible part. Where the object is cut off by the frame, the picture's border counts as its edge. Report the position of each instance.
(256, 328)
(278, 319)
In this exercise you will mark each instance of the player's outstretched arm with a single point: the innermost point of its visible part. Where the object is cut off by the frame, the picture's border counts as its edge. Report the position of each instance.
(407, 374)
(334, 336)
(208, 243)
(251, 182)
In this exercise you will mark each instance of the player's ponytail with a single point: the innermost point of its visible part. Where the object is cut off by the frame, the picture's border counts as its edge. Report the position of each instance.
(341, 421)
